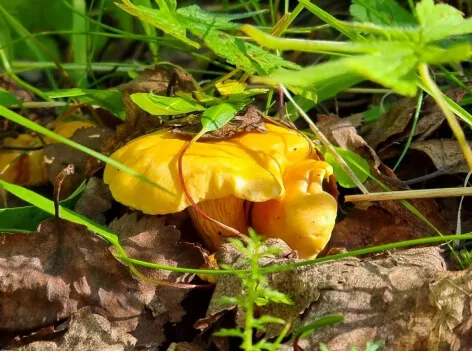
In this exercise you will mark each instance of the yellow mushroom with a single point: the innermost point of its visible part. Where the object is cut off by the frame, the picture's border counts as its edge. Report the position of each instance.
(278, 166)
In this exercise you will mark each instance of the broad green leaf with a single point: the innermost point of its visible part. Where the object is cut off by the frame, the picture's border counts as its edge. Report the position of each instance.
(108, 99)
(329, 78)
(341, 177)
(28, 218)
(439, 21)
(162, 19)
(436, 55)
(230, 87)
(244, 55)
(396, 70)
(194, 16)
(382, 12)
(163, 105)
(215, 117)
(8, 99)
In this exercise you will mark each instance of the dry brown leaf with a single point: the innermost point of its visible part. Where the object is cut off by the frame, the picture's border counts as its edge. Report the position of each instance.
(87, 331)
(95, 200)
(47, 275)
(444, 153)
(251, 119)
(59, 156)
(385, 222)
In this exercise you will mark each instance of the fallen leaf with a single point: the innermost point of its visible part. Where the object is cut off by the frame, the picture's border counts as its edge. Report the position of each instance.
(87, 331)
(444, 153)
(384, 222)
(395, 126)
(47, 275)
(95, 200)
(251, 119)
(59, 156)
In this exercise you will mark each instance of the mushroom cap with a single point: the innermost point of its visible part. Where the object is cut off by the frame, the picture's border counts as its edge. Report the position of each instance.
(248, 166)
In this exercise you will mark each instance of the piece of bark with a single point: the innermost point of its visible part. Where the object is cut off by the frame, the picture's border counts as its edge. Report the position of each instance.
(407, 299)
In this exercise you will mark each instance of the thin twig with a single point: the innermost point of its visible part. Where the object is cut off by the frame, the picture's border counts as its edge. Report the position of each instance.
(326, 143)
(413, 194)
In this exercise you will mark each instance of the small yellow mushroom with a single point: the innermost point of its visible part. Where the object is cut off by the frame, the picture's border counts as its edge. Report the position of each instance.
(277, 171)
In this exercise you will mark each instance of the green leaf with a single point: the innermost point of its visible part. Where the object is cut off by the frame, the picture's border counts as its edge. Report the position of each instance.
(341, 177)
(321, 322)
(163, 105)
(8, 99)
(215, 117)
(244, 55)
(48, 206)
(276, 296)
(437, 55)
(229, 332)
(382, 12)
(439, 21)
(108, 99)
(162, 19)
(327, 79)
(79, 41)
(194, 16)
(27, 219)
(269, 319)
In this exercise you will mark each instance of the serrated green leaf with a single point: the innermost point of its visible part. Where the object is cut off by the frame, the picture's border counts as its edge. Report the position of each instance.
(229, 332)
(439, 21)
(162, 19)
(108, 99)
(8, 99)
(341, 177)
(437, 55)
(275, 296)
(270, 319)
(395, 70)
(382, 12)
(27, 219)
(163, 105)
(216, 117)
(194, 16)
(243, 55)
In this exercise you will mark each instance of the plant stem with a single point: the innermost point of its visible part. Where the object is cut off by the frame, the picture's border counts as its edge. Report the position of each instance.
(411, 194)
(419, 103)
(451, 119)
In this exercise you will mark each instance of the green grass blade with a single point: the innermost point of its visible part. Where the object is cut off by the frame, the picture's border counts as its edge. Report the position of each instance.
(79, 42)
(5, 112)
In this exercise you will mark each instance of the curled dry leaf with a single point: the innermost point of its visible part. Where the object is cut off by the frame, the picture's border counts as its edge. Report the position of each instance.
(395, 126)
(251, 119)
(412, 288)
(87, 331)
(444, 153)
(58, 156)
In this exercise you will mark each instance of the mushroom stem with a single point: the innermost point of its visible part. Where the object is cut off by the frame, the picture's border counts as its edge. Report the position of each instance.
(187, 193)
